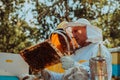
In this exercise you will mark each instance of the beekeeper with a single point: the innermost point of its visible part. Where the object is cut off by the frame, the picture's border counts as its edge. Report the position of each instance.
(83, 42)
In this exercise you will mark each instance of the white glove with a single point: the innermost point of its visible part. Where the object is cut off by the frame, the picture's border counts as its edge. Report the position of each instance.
(67, 62)
(27, 77)
(50, 75)
(76, 73)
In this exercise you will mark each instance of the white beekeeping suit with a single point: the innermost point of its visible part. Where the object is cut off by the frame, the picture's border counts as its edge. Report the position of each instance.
(94, 35)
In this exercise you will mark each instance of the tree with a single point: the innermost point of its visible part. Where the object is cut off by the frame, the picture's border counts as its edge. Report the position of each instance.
(16, 33)
(104, 14)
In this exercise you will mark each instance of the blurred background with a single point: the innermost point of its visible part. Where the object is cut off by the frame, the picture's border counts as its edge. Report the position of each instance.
(27, 22)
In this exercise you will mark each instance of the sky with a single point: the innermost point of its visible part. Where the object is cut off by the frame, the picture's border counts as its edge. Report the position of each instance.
(28, 13)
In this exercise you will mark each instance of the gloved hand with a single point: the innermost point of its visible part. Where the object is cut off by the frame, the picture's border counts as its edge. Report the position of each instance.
(67, 62)
(27, 77)
(46, 74)
(50, 75)
(76, 73)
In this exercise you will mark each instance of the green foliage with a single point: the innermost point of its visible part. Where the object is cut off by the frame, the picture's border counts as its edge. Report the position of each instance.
(104, 14)
(16, 34)
(12, 38)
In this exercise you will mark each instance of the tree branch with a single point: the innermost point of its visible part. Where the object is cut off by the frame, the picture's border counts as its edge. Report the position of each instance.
(47, 10)
(67, 11)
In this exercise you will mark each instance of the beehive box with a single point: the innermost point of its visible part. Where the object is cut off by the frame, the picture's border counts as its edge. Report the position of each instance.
(116, 64)
(12, 64)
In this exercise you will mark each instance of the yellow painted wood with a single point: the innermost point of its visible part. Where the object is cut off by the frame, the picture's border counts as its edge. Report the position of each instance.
(115, 58)
(58, 67)
(9, 61)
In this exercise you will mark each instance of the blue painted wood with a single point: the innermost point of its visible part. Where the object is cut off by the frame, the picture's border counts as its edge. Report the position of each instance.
(116, 70)
(9, 78)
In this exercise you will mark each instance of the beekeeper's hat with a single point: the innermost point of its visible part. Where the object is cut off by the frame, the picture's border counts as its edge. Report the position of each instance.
(62, 25)
(83, 21)
(94, 34)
